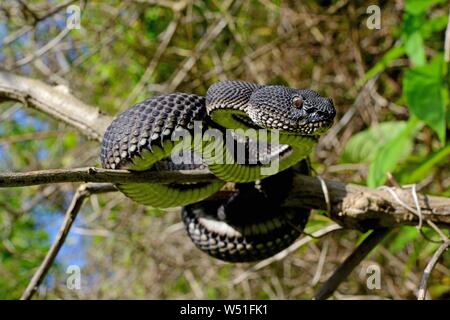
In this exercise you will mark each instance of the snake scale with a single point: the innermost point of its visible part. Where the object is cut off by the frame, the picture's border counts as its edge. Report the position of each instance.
(238, 130)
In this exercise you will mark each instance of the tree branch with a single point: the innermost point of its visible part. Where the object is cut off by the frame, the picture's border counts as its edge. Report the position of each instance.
(92, 174)
(89, 120)
(429, 268)
(352, 206)
(352, 261)
(362, 208)
(81, 194)
(292, 248)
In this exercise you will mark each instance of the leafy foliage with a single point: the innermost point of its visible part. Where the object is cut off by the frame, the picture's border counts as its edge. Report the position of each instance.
(364, 146)
(425, 90)
(426, 94)
(136, 252)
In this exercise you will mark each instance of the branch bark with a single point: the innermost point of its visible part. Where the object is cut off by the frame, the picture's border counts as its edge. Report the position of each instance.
(362, 208)
(93, 174)
(352, 206)
(55, 102)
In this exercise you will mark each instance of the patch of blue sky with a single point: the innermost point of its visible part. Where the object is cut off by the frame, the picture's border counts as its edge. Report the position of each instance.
(42, 154)
(42, 29)
(72, 52)
(5, 158)
(60, 21)
(73, 251)
(26, 69)
(22, 118)
(3, 33)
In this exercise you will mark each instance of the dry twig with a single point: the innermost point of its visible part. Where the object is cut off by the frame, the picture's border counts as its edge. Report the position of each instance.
(429, 268)
(81, 194)
(344, 269)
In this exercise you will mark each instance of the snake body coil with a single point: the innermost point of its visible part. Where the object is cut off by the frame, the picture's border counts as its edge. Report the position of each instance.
(254, 223)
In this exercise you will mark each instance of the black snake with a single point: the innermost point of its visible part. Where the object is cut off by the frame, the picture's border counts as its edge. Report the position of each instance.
(223, 132)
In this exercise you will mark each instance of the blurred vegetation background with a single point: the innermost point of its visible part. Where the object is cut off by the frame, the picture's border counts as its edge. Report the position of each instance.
(390, 87)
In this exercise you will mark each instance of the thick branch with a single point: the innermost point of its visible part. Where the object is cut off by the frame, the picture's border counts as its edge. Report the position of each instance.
(352, 206)
(362, 208)
(90, 121)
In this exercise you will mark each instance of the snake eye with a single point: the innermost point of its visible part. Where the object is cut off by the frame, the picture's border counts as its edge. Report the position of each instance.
(297, 102)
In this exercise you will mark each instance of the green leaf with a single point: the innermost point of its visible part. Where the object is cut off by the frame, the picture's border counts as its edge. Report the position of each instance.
(70, 140)
(420, 6)
(423, 169)
(388, 156)
(415, 49)
(423, 88)
(364, 146)
(433, 25)
(412, 23)
(405, 236)
(412, 38)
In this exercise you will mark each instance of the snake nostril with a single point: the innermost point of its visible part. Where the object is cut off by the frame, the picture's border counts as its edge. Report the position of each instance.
(331, 112)
(327, 113)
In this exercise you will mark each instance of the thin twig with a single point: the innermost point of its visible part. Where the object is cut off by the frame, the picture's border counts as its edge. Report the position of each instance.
(417, 211)
(81, 194)
(204, 43)
(320, 263)
(429, 268)
(331, 136)
(166, 38)
(93, 174)
(344, 270)
(283, 254)
(43, 50)
(32, 136)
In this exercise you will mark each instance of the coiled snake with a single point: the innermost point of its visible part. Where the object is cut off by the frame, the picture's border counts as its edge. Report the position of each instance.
(187, 131)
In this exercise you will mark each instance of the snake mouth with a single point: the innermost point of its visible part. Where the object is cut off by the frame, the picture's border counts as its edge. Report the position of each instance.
(314, 128)
(310, 129)
(240, 119)
(246, 121)
(289, 127)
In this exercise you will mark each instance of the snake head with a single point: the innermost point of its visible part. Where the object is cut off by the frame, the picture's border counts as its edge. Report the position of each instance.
(295, 111)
